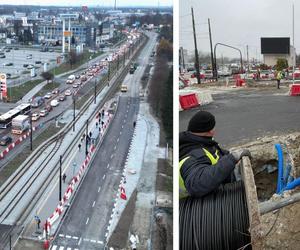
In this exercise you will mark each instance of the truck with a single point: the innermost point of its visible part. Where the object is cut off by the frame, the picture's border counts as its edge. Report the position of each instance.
(20, 124)
(71, 79)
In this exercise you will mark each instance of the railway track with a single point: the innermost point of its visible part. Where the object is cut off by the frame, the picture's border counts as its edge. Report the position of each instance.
(7, 208)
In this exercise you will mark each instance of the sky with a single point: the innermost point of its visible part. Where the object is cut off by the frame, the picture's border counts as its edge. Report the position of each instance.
(237, 23)
(90, 2)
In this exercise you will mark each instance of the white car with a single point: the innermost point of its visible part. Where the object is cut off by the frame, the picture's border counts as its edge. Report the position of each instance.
(48, 95)
(75, 85)
(43, 113)
(54, 103)
(68, 92)
(35, 116)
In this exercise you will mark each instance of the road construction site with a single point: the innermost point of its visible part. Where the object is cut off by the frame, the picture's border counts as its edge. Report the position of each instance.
(259, 117)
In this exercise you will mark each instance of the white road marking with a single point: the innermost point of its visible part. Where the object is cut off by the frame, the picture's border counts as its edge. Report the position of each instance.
(93, 203)
(61, 235)
(122, 126)
(75, 238)
(79, 241)
(99, 189)
(124, 120)
(69, 248)
(103, 177)
(115, 147)
(87, 221)
(93, 241)
(100, 242)
(68, 236)
(54, 247)
(86, 240)
(120, 132)
(118, 138)
(61, 248)
(107, 165)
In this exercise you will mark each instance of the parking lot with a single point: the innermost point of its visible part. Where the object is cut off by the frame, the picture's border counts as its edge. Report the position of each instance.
(24, 57)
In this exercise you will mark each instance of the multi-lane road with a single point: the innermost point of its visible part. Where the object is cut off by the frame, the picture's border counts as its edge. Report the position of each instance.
(85, 225)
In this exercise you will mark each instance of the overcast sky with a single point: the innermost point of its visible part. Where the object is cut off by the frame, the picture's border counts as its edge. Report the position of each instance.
(237, 23)
(90, 2)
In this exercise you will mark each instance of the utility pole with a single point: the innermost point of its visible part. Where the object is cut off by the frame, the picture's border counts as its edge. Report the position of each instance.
(60, 163)
(196, 50)
(73, 112)
(247, 47)
(214, 67)
(86, 137)
(294, 51)
(95, 93)
(31, 131)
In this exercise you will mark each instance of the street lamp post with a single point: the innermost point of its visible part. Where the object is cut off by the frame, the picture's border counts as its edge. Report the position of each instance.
(74, 115)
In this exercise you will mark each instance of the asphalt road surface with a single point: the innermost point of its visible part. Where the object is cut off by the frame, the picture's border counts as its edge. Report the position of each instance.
(247, 114)
(86, 222)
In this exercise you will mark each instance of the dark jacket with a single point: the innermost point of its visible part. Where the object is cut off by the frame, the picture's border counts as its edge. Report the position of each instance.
(199, 176)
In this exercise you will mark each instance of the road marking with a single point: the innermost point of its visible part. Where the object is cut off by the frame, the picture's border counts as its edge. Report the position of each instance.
(120, 132)
(68, 236)
(99, 189)
(69, 248)
(93, 203)
(87, 221)
(118, 138)
(115, 147)
(111, 156)
(107, 165)
(86, 240)
(75, 238)
(100, 242)
(122, 126)
(61, 235)
(103, 177)
(54, 247)
(61, 248)
(127, 112)
(79, 241)
(124, 120)
(93, 241)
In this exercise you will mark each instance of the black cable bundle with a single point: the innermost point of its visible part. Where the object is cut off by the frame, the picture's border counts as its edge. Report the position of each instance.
(218, 221)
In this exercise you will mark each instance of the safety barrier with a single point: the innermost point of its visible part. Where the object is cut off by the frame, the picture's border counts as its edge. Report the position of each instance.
(294, 90)
(188, 101)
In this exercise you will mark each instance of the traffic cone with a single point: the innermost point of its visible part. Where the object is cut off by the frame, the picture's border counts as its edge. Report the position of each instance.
(123, 194)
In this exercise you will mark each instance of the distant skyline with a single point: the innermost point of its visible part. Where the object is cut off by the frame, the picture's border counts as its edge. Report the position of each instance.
(237, 23)
(92, 3)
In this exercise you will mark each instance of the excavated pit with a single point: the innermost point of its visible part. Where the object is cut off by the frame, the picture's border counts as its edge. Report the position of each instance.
(281, 229)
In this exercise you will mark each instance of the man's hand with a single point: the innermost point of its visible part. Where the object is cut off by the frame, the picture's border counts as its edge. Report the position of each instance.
(239, 153)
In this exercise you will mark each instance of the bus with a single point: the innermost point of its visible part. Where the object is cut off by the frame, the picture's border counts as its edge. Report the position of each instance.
(6, 118)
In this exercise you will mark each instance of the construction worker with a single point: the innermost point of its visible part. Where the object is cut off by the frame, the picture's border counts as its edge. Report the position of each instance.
(203, 165)
(278, 78)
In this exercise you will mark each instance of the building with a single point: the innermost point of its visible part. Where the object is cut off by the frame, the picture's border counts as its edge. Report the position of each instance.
(273, 48)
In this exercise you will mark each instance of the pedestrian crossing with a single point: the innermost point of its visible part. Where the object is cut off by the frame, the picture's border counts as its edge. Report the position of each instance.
(62, 248)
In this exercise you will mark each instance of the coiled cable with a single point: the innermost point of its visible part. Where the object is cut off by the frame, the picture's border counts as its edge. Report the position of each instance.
(218, 221)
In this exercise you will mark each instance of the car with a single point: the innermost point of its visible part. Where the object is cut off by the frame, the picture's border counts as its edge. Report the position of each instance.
(75, 85)
(35, 116)
(38, 62)
(48, 108)
(68, 92)
(30, 67)
(51, 50)
(77, 77)
(29, 57)
(2, 56)
(8, 64)
(61, 98)
(25, 65)
(8, 75)
(5, 140)
(16, 48)
(43, 112)
(55, 91)
(8, 50)
(48, 95)
(90, 73)
(83, 79)
(54, 103)
(124, 88)
(208, 74)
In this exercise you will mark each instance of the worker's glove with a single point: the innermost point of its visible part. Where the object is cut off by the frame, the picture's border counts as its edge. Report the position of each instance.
(239, 153)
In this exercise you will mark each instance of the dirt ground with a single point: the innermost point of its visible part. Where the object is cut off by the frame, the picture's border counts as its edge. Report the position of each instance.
(281, 229)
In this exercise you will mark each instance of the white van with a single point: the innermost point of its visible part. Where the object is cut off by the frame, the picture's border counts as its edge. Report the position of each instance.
(54, 103)
(124, 88)
(71, 79)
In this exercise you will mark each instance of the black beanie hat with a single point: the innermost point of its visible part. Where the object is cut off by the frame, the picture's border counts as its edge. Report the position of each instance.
(203, 121)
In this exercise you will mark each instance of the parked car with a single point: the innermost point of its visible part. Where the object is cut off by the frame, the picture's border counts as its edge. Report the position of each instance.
(25, 65)
(38, 62)
(208, 74)
(48, 95)
(68, 92)
(5, 140)
(30, 67)
(61, 98)
(2, 56)
(35, 116)
(54, 103)
(8, 64)
(43, 112)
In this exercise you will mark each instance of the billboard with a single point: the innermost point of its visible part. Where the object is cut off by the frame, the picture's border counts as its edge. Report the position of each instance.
(3, 85)
(275, 45)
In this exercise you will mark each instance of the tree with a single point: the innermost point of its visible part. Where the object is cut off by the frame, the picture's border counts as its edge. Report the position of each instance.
(165, 48)
(281, 64)
(264, 66)
(47, 76)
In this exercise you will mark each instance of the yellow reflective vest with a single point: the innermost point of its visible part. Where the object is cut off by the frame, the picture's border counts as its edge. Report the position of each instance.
(182, 189)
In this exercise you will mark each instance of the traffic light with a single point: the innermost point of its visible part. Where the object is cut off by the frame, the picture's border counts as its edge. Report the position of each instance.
(3, 86)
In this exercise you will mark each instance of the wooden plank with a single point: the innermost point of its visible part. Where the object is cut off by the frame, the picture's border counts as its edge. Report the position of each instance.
(252, 202)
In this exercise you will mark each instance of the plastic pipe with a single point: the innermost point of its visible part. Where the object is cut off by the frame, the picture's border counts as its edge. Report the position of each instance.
(292, 184)
(286, 174)
(280, 168)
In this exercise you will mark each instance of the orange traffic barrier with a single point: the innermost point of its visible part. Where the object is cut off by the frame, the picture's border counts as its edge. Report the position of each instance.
(188, 101)
(295, 90)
